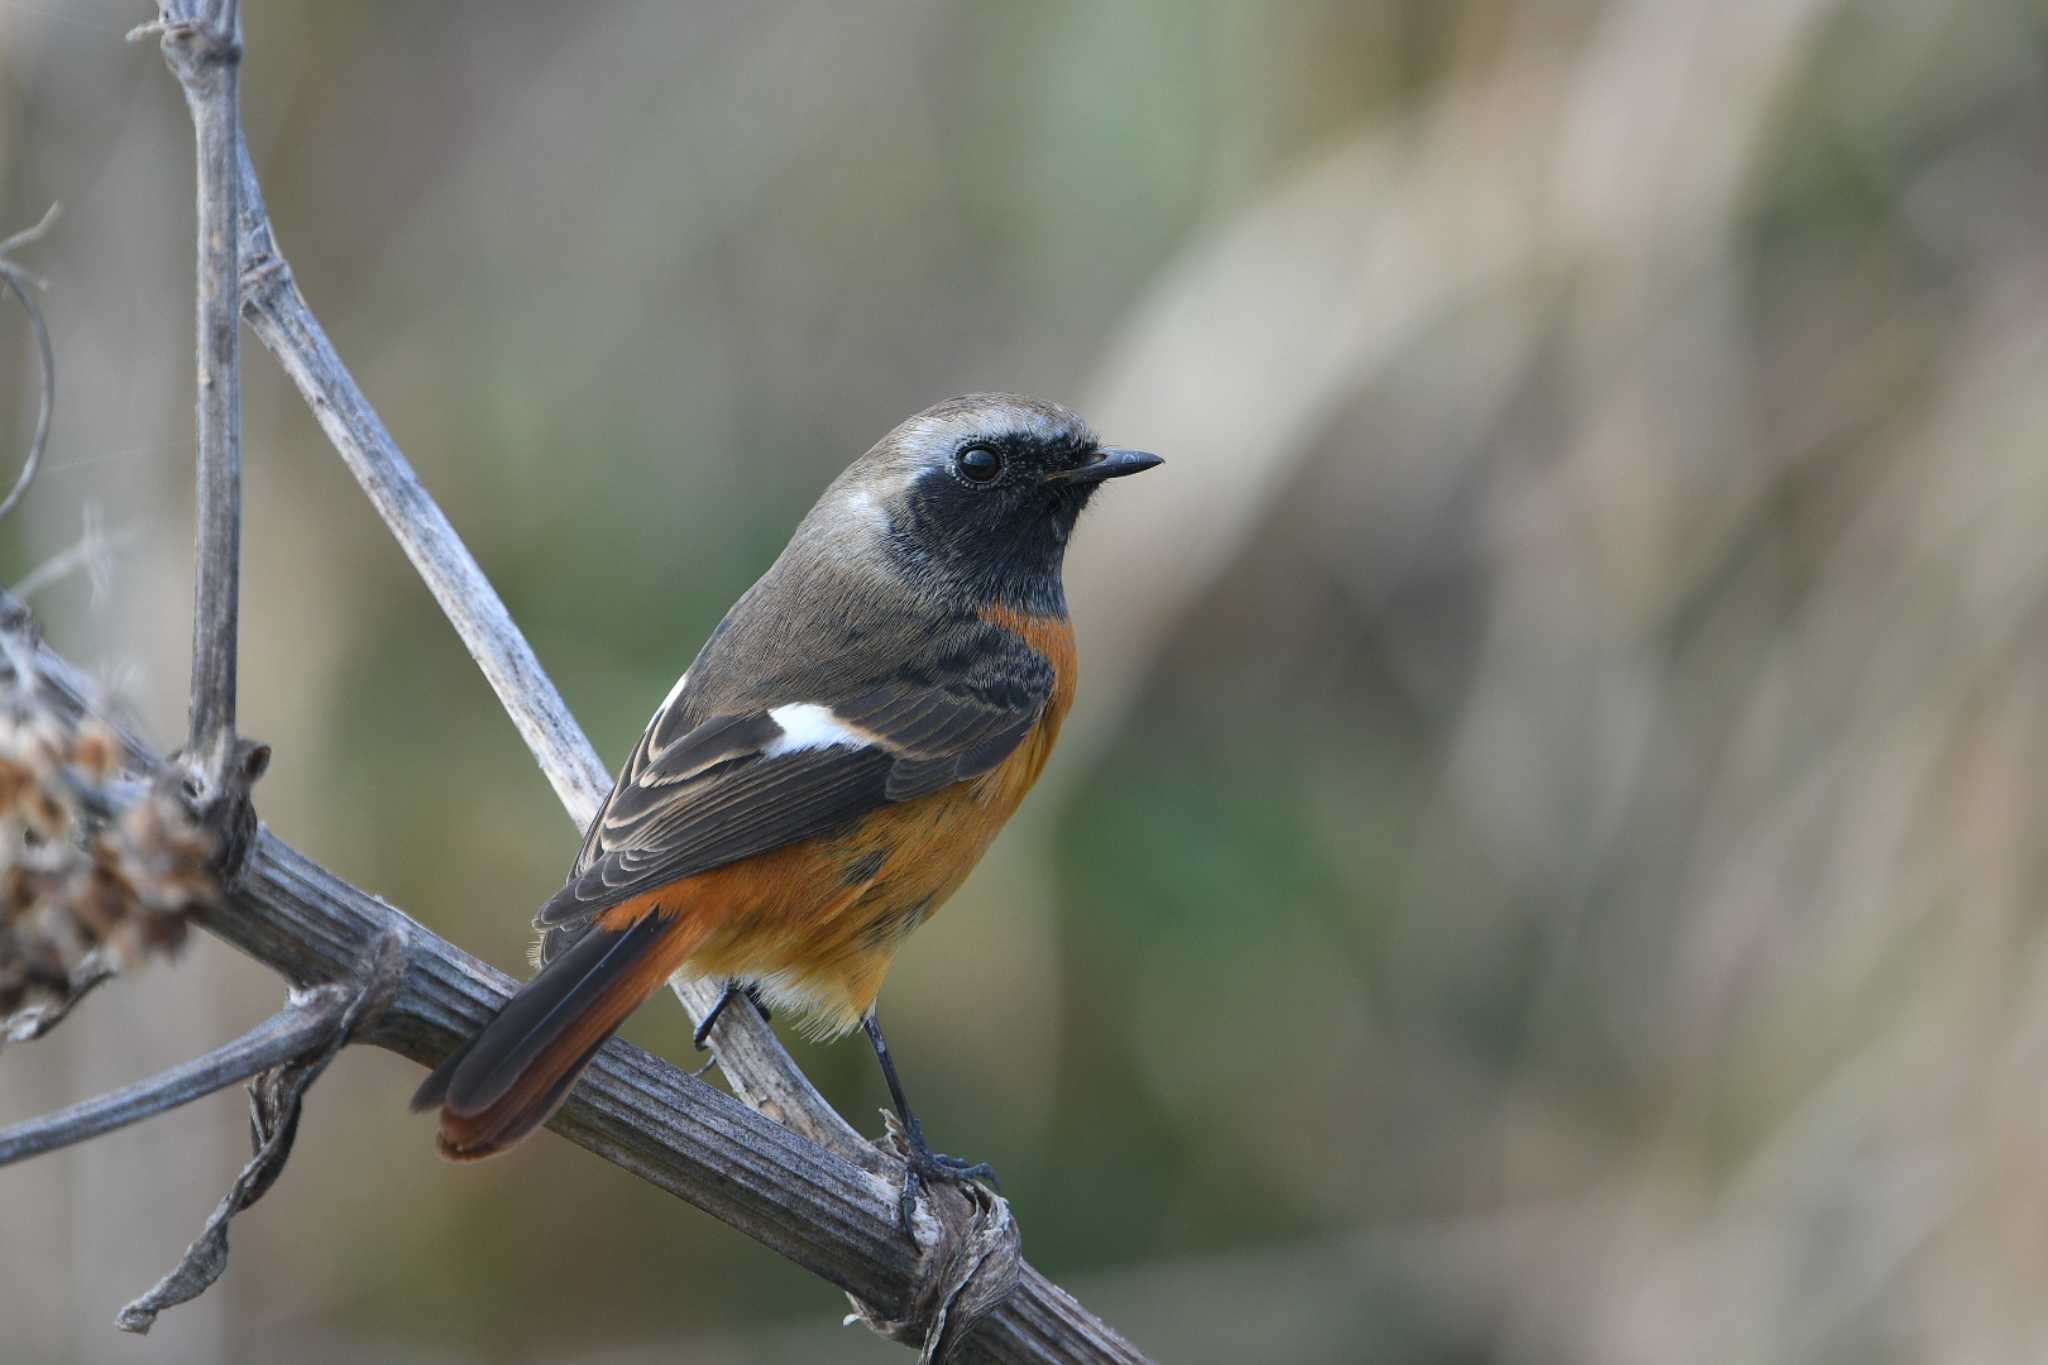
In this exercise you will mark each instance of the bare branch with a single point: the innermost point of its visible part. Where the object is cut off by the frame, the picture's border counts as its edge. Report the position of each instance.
(290, 1032)
(203, 47)
(19, 283)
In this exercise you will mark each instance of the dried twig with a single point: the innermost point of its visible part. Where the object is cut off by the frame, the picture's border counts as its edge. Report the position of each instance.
(202, 44)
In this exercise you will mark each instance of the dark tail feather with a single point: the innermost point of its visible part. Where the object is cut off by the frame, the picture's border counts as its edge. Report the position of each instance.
(506, 1081)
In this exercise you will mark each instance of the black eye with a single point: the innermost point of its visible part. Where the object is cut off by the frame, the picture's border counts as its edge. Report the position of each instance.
(978, 464)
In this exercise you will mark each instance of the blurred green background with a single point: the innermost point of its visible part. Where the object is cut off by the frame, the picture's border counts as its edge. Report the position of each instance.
(1544, 866)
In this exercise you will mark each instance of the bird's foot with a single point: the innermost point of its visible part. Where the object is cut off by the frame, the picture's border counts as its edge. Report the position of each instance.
(924, 1167)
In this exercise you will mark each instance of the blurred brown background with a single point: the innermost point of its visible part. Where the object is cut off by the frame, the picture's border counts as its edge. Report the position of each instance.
(1544, 867)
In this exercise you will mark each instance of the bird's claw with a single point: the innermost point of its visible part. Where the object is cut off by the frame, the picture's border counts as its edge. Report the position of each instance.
(963, 1169)
(924, 1167)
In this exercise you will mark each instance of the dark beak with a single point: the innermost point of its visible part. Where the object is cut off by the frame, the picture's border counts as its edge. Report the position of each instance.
(1110, 463)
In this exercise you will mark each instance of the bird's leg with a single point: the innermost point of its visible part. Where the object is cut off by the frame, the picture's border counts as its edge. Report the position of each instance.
(725, 997)
(923, 1165)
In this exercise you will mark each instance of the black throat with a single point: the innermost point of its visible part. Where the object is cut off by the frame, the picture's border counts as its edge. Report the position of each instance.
(975, 547)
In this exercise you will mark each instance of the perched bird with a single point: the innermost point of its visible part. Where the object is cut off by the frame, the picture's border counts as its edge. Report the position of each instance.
(827, 772)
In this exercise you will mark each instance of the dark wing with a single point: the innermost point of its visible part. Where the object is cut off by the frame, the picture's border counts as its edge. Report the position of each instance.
(739, 785)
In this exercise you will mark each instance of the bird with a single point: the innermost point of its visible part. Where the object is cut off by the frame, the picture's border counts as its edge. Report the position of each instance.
(827, 771)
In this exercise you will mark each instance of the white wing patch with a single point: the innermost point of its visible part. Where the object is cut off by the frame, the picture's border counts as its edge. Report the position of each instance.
(807, 725)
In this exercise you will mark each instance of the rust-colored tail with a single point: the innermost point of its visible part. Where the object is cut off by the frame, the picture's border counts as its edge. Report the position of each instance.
(506, 1081)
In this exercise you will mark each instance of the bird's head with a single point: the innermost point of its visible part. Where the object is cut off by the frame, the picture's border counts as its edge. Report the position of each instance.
(976, 496)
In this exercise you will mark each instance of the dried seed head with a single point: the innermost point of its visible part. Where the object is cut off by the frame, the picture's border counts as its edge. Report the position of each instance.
(92, 862)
